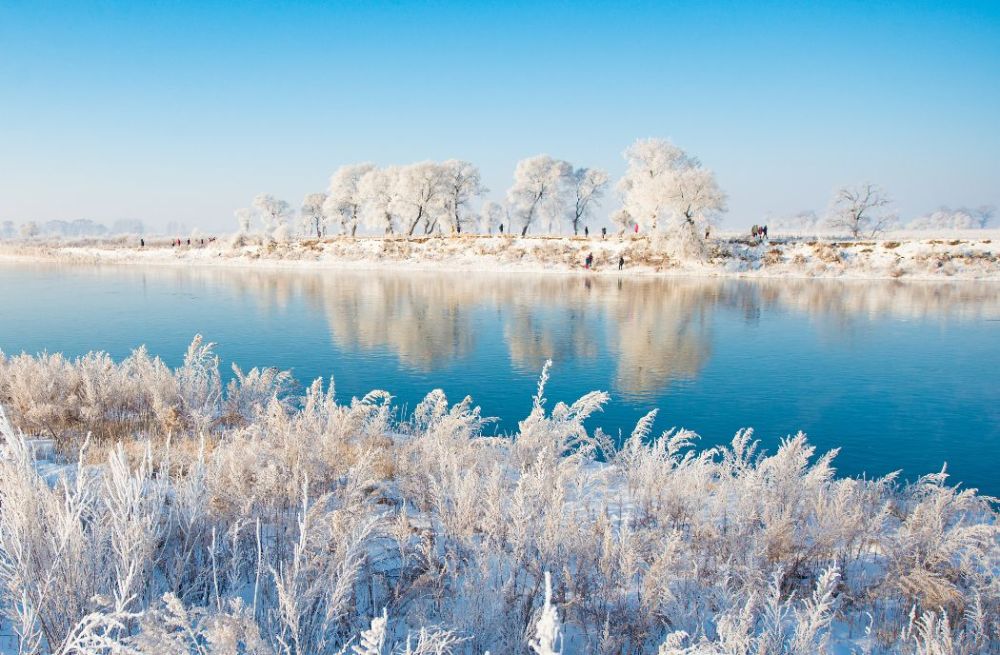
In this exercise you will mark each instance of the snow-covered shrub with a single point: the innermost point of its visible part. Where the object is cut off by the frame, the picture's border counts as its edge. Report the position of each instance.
(281, 524)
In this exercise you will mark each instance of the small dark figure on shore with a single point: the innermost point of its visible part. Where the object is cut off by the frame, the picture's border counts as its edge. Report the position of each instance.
(621, 262)
(189, 242)
(142, 243)
(501, 228)
(589, 261)
(706, 233)
(586, 232)
(765, 231)
(604, 232)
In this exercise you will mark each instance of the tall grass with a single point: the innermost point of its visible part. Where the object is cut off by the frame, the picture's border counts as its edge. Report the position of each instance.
(246, 519)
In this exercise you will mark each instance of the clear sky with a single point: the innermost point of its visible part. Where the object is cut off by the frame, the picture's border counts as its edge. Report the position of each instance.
(182, 111)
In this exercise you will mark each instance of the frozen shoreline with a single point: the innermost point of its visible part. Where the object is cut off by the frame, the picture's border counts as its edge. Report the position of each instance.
(801, 257)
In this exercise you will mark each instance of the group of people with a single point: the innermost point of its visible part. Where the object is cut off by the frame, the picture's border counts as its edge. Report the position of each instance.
(178, 242)
(759, 231)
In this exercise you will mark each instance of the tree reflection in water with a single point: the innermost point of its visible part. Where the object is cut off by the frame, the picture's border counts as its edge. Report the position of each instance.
(656, 330)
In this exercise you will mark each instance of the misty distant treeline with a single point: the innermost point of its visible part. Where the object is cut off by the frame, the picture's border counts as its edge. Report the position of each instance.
(81, 227)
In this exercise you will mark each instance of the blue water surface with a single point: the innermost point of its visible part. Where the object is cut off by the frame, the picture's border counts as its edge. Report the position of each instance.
(897, 375)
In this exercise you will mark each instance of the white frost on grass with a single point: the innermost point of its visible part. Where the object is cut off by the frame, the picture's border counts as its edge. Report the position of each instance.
(280, 524)
(971, 256)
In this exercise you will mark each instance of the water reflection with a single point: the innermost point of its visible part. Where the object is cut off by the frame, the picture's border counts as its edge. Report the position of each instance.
(656, 331)
(901, 375)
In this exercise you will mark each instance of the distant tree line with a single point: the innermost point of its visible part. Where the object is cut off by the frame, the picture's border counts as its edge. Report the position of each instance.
(75, 229)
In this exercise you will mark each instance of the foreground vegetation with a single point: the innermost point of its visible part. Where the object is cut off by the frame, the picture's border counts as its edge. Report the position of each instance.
(199, 517)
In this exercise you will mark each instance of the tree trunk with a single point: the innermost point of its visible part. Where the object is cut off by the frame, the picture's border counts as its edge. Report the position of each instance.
(413, 227)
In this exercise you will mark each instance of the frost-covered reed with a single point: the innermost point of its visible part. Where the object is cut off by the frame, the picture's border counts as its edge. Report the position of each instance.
(198, 518)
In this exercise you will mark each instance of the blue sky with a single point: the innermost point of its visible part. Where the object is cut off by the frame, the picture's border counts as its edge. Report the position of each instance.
(182, 111)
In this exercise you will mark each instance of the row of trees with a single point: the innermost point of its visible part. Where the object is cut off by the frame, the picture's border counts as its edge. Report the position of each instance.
(664, 188)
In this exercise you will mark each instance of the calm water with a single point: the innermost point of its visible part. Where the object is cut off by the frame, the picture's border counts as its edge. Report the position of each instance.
(898, 375)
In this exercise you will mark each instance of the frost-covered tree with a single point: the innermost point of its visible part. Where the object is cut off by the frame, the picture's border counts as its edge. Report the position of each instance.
(378, 188)
(622, 220)
(698, 198)
(313, 218)
(491, 215)
(665, 189)
(419, 195)
(589, 184)
(538, 194)
(244, 219)
(273, 211)
(962, 218)
(461, 184)
(861, 209)
(344, 202)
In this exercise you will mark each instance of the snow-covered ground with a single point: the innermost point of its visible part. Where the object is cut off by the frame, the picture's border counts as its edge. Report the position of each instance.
(971, 254)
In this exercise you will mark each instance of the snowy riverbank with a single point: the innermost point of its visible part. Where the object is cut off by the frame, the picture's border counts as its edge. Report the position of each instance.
(972, 256)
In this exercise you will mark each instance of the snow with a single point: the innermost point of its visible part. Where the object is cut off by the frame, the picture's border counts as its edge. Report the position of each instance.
(896, 256)
(272, 519)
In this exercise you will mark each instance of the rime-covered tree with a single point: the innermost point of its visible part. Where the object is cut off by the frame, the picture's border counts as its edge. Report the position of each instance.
(244, 219)
(344, 203)
(538, 194)
(461, 184)
(491, 215)
(589, 185)
(313, 218)
(419, 195)
(378, 189)
(962, 218)
(666, 189)
(861, 209)
(274, 212)
(621, 219)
